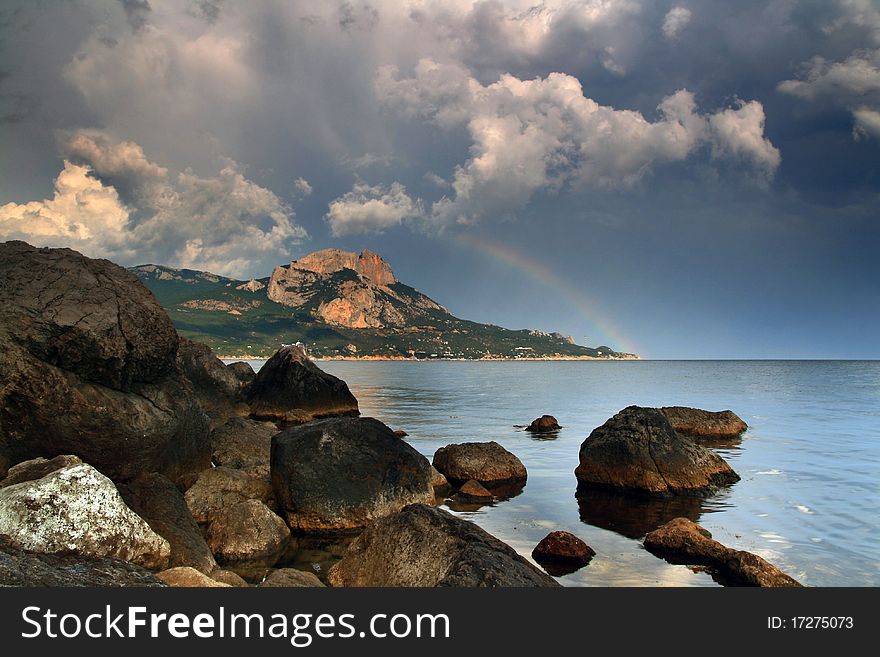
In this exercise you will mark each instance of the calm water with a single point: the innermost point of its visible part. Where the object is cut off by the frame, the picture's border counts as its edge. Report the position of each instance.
(808, 501)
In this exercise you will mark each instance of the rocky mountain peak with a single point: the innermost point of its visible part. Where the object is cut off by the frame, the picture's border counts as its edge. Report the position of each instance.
(369, 266)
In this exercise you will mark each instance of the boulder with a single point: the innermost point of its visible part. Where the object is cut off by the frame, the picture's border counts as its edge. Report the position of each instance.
(185, 577)
(89, 368)
(216, 387)
(708, 425)
(423, 546)
(19, 568)
(229, 577)
(473, 491)
(244, 444)
(488, 463)
(682, 541)
(289, 578)
(247, 532)
(341, 473)
(544, 424)
(638, 450)
(400, 433)
(242, 371)
(291, 388)
(438, 481)
(158, 501)
(37, 469)
(221, 488)
(77, 510)
(561, 553)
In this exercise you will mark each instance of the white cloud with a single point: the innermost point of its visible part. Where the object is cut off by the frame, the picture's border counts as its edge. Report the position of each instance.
(302, 187)
(368, 209)
(867, 123)
(224, 223)
(675, 21)
(545, 133)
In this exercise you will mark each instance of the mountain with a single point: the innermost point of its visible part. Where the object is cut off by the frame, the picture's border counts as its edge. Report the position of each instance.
(338, 304)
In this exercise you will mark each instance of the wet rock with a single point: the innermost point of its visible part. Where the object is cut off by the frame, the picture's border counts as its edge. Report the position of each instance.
(291, 388)
(289, 578)
(561, 553)
(89, 368)
(682, 541)
(708, 425)
(19, 568)
(341, 473)
(77, 510)
(544, 424)
(244, 444)
(158, 501)
(488, 463)
(247, 532)
(37, 469)
(638, 450)
(424, 546)
(221, 488)
(185, 577)
(472, 491)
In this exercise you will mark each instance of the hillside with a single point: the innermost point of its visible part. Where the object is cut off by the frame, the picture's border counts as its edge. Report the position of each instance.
(338, 304)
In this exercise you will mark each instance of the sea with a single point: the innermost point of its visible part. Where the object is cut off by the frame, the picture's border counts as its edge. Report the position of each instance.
(808, 500)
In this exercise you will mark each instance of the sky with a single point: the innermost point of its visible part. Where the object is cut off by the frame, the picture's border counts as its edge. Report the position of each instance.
(678, 179)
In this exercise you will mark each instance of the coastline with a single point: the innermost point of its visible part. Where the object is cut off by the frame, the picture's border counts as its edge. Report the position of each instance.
(463, 360)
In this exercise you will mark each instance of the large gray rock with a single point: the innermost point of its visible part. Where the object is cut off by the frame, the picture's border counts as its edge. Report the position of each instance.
(89, 369)
(424, 546)
(638, 450)
(341, 473)
(19, 568)
(221, 488)
(158, 501)
(247, 533)
(488, 463)
(291, 388)
(216, 387)
(683, 541)
(244, 444)
(77, 510)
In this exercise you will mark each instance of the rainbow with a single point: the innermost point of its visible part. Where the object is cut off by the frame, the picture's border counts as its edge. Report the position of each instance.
(602, 328)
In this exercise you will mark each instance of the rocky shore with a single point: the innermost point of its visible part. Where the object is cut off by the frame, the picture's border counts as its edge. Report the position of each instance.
(130, 456)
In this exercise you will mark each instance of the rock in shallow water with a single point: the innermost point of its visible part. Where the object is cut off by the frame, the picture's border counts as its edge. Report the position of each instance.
(488, 463)
(561, 553)
(77, 510)
(544, 424)
(423, 546)
(291, 388)
(699, 424)
(682, 541)
(638, 450)
(341, 473)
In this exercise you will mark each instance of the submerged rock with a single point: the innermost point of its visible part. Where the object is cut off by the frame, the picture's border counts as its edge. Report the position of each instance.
(158, 501)
(341, 473)
(291, 388)
(638, 450)
(682, 541)
(700, 424)
(544, 424)
(77, 510)
(561, 553)
(423, 546)
(488, 463)
(220, 488)
(247, 533)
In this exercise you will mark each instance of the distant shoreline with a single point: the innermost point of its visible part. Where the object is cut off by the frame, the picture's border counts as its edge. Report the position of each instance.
(463, 360)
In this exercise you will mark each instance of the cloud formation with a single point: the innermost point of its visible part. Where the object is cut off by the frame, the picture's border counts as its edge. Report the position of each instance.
(111, 201)
(528, 135)
(675, 21)
(371, 209)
